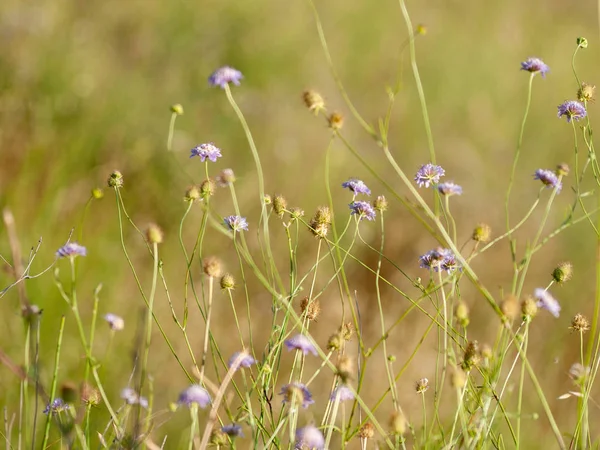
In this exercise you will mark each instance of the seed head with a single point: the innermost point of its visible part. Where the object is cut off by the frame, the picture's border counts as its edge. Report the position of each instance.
(422, 385)
(97, 193)
(462, 313)
(177, 109)
(154, 235)
(336, 121)
(207, 188)
(310, 309)
(397, 423)
(580, 323)
(529, 308)
(115, 180)
(90, 395)
(482, 233)
(218, 438)
(562, 170)
(458, 378)
(212, 266)
(510, 307)
(486, 352)
(380, 204)
(563, 272)
(471, 357)
(268, 200)
(579, 373)
(347, 330)
(313, 101)
(319, 224)
(345, 368)
(421, 29)
(367, 431)
(335, 341)
(296, 213)
(192, 194)
(227, 282)
(226, 177)
(586, 93)
(279, 205)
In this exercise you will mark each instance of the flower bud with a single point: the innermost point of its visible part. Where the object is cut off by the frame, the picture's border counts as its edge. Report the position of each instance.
(227, 282)
(336, 121)
(154, 234)
(177, 109)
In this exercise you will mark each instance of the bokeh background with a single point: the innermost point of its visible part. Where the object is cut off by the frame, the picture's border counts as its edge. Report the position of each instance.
(85, 88)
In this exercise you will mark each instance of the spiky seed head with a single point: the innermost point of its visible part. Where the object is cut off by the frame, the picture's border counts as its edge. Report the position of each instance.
(268, 199)
(347, 330)
(471, 357)
(279, 205)
(296, 213)
(380, 203)
(336, 121)
(482, 233)
(154, 234)
(462, 313)
(212, 266)
(310, 309)
(313, 101)
(115, 180)
(218, 438)
(397, 423)
(97, 193)
(580, 323)
(529, 309)
(90, 395)
(335, 341)
(563, 272)
(227, 282)
(367, 431)
(208, 188)
(458, 378)
(562, 170)
(345, 368)
(422, 385)
(486, 352)
(586, 93)
(510, 307)
(192, 194)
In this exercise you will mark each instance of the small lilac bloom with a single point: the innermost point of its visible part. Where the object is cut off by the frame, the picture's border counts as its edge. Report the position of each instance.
(363, 210)
(224, 75)
(302, 343)
(535, 65)
(429, 174)
(132, 398)
(115, 322)
(343, 392)
(549, 178)
(195, 394)
(356, 186)
(297, 392)
(206, 151)
(449, 188)
(547, 302)
(233, 430)
(57, 405)
(71, 250)
(309, 438)
(572, 110)
(236, 223)
(439, 259)
(246, 361)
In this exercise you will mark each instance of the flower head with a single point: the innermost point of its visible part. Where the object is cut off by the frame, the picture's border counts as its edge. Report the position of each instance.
(535, 65)
(546, 301)
(225, 75)
(422, 385)
(132, 398)
(342, 392)
(439, 259)
(309, 438)
(115, 322)
(549, 178)
(246, 361)
(226, 177)
(236, 223)
(57, 405)
(449, 188)
(206, 151)
(233, 430)
(571, 110)
(356, 186)
(194, 394)
(71, 250)
(429, 174)
(297, 393)
(363, 210)
(301, 343)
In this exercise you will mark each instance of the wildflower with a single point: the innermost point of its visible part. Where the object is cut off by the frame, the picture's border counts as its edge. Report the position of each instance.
(313, 101)
(154, 234)
(207, 188)
(363, 210)
(246, 361)
(236, 223)
(449, 188)
(227, 282)
(90, 395)
(422, 385)
(115, 180)
(529, 309)
(571, 109)
(132, 398)
(319, 224)
(206, 151)
(549, 178)
(192, 194)
(356, 186)
(336, 121)
(115, 322)
(224, 75)
(347, 330)
(535, 65)
(380, 203)
(342, 393)
(482, 233)
(279, 205)
(233, 430)
(580, 323)
(226, 177)
(563, 272)
(397, 423)
(177, 109)
(301, 343)
(471, 356)
(57, 405)
(71, 250)
(510, 307)
(367, 431)
(441, 258)
(194, 394)
(562, 169)
(335, 341)
(586, 93)
(429, 174)
(310, 309)
(462, 313)
(296, 394)
(546, 301)
(212, 266)
(309, 438)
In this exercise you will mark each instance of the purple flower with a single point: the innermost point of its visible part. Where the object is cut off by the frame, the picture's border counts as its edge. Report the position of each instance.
(549, 178)
(236, 223)
(302, 343)
(246, 361)
(343, 392)
(57, 405)
(132, 398)
(195, 394)
(572, 110)
(535, 65)
(429, 174)
(297, 393)
(71, 250)
(309, 437)
(206, 151)
(233, 430)
(439, 259)
(363, 210)
(449, 188)
(115, 322)
(224, 75)
(547, 302)
(356, 186)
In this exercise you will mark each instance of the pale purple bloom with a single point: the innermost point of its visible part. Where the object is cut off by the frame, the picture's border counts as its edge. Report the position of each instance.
(356, 186)
(71, 250)
(302, 343)
(572, 110)
(195, 394)
(226, 177)
(115, 322)
(429, 174)
(295, 392)
(449, 188)
(57, 405)
(309, 438)
(246, 361)
(549, 178)
(206, 151)
(546, 301)
(535, 65)
(132, 398)
(363, 210)
(343, 392)
(224, 75)
(233, 430)
(439, 259)
(236, 223)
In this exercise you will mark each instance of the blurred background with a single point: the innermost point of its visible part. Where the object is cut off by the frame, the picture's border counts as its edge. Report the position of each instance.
(85, 88)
